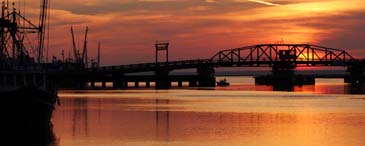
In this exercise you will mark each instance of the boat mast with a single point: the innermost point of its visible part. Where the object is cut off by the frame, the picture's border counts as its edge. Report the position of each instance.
(42, 28)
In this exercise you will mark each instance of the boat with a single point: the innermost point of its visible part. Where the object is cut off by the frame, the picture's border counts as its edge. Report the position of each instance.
(223, 83)
(27, 115)
(28, 95)
(27, 107)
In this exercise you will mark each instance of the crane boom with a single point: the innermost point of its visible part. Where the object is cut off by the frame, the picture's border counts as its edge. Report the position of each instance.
(42, 28)
(84, 52)
(74, 45)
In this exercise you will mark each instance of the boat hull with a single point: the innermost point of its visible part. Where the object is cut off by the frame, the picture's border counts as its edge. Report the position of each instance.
(27, 115)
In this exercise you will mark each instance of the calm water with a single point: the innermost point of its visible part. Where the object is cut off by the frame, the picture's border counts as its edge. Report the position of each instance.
(242, 114)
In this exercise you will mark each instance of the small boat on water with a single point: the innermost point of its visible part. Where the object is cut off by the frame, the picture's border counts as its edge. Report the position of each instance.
(223, 83)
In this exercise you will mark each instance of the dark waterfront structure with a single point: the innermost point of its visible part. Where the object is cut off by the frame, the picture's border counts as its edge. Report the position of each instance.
(27, 88)
(282, 58)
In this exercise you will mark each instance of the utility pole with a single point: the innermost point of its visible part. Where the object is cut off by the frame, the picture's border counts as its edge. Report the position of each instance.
(99, 47)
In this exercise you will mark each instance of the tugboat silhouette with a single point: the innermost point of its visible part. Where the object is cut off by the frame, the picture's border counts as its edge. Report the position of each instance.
(223, 83)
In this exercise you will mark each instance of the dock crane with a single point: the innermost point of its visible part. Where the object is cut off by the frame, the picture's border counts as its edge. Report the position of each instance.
(75, 51)
(84, 52)
(81, 58)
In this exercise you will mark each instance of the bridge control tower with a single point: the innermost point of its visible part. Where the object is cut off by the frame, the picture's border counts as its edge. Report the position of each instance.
(162, 68)
(283, 70)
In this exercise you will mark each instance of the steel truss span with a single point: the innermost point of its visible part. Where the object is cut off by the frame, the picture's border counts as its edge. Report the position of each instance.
(269, 54)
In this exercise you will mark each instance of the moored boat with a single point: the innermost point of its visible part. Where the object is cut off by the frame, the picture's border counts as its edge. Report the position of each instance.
(223, 83)
(27, 108)
(28, 93)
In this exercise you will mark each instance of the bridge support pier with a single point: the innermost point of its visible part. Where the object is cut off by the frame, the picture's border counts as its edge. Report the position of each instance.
(162, 79)
(148, 84)
(117, 81)
(206, 77)
(124, 84)
(136, 84)
(103, 84)
(357, 73)
(193, 84)
(117, 84)
(92, 84)
(283, 75)
(180, 84)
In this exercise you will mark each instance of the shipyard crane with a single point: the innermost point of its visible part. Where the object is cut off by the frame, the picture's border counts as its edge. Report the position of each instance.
(75, 51)
(42, 28)
(80, 58)
(84, 52)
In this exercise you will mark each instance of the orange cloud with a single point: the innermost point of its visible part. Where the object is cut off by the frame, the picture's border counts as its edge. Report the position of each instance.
(197, 29)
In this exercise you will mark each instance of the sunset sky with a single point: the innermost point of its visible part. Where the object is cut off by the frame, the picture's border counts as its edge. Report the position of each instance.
(196, 29)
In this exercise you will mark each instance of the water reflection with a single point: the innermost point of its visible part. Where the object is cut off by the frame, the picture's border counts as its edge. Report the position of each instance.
(355, 89)
(162, 120)
(283, 87)
(209, 118)
(322, 86)
(242, 114)
(80, 117)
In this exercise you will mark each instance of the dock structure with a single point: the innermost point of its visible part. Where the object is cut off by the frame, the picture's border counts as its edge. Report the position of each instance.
(282, 58)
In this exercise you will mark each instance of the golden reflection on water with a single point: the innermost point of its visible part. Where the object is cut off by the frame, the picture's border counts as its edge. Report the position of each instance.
(209, 117)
